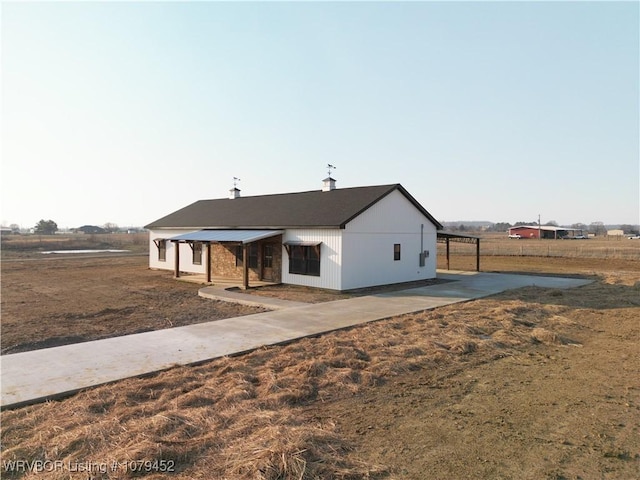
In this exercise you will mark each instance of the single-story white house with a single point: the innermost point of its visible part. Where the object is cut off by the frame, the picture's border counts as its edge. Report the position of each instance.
(338, 239)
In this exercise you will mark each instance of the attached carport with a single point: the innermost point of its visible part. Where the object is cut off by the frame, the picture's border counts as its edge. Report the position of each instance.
(447, 238)
(207, 237)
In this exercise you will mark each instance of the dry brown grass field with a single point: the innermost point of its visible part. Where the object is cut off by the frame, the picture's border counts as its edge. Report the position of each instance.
(26, 246)
(529, 384)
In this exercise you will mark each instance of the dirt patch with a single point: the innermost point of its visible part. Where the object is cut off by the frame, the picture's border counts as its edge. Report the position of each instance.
(52, 302)
(532, 383)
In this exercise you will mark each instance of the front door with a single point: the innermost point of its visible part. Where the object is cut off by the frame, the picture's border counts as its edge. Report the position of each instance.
(267, 262)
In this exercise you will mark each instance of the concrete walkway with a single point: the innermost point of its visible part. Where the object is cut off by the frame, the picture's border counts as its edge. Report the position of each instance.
(53, 372)
(220, 293)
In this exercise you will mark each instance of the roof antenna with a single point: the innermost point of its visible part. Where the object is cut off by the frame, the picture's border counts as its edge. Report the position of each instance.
(235, 181)
(329, 167)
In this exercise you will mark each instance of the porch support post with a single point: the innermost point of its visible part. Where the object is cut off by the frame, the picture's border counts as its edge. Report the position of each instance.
(447, 241)
(208, 262)
(245, 266)
(176, 259)
(477, 255)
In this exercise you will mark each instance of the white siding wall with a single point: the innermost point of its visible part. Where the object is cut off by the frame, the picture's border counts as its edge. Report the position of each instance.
(186, 254)
(330, 258)
(359, 256)
(367, 245)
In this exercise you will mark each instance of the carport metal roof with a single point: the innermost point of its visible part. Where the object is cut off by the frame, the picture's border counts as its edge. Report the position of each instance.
(456, 237)
(241, 236)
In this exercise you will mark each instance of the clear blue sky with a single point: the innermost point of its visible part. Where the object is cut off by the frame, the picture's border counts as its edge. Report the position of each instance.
(124, 112)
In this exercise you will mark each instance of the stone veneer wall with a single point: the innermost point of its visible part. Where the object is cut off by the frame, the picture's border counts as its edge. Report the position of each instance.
(223, 260)
(277, 257)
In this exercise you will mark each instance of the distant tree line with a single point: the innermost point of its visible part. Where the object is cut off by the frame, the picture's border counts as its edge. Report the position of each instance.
(45, 227)
(596, 228)
(49, 227)
(630, 229)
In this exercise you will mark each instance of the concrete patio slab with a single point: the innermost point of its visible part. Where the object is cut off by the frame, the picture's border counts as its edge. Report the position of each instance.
(53, 372)
(222, 294)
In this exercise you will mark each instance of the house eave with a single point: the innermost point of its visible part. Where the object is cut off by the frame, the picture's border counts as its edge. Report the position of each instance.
(243, 227)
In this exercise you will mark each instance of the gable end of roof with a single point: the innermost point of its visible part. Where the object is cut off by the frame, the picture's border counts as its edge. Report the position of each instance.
(407, 195)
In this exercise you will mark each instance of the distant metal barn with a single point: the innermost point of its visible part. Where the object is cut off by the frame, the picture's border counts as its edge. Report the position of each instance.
(545, 231)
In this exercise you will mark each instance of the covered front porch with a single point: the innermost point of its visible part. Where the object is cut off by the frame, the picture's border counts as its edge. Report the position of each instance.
(233, 257)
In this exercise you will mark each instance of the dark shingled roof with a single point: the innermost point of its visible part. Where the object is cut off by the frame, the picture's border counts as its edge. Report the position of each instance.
(314, 209)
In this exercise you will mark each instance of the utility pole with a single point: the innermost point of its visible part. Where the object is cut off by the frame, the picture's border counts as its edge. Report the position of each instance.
(539, 228)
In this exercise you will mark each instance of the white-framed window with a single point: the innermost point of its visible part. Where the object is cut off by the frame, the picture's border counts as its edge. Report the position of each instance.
(161, 243)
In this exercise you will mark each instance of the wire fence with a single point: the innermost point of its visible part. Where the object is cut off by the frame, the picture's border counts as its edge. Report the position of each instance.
(605, 249)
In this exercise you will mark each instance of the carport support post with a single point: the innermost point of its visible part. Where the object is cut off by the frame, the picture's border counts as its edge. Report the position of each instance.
(208, 262)
(477, 255)
(447, 241)
(245, 266)
(176, 259)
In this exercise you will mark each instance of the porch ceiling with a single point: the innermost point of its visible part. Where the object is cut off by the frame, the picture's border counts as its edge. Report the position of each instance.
(242, 236)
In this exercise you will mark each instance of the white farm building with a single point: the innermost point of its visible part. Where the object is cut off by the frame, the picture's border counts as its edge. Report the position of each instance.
(338, 239)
